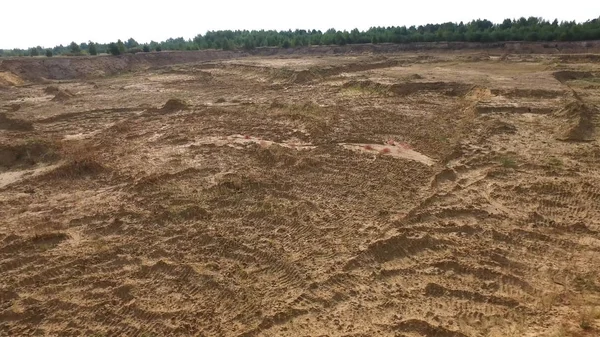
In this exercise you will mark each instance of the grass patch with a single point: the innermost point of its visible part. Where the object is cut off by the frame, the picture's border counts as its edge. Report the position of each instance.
(561, 331)
(587, 317)
(357, 88)
(555, 162)
(307, 111)
(508, 162)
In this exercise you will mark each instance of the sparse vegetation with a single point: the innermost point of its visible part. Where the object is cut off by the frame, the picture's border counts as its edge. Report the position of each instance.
(556, 162)
(561, 331)
(587, 318)
(366, 88)
(508, 162)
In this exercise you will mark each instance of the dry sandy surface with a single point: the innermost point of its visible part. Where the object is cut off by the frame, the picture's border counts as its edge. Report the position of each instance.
(442, 194)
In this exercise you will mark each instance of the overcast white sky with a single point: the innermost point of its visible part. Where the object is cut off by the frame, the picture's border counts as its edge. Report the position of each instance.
(27, 23)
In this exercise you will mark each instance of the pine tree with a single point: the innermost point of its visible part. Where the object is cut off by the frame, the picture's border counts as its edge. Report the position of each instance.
(75, 48)
(121, 47)
(113, 49)
(92, 48)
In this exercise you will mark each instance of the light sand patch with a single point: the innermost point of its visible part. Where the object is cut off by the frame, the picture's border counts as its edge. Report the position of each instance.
(80, 136)
(396, 150)
(7, 178)
(239, 141)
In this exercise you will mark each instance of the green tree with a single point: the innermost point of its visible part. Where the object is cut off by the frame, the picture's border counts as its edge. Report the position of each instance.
(146, 48)
(227, 44)
(34, 52)
(131, 43)
(249, 43)
(92, 48)
(75, 48)
(339, 39)
(48, 53)
(113, 49)
(522, 29)
(121, 47)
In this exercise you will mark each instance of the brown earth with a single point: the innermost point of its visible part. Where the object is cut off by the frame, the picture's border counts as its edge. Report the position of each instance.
(439, 193)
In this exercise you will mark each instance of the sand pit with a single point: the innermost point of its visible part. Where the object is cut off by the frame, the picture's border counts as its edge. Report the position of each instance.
(299, 195)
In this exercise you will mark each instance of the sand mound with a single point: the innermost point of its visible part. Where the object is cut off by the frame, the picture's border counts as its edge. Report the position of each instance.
(14, 124)
(577, 122)
(568, 75)
(174, 104)
(293, 76)
(13, 107)
(9, 80)
(51, 90)
(62, 95)
(367, 85)
(26, 155)
(445, 88)
(496, 127)
(303, 76)
(77, 169)
(409, 88)
(536, 93)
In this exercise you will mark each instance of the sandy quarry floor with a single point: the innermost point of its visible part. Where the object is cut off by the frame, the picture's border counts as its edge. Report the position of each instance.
(444, 195)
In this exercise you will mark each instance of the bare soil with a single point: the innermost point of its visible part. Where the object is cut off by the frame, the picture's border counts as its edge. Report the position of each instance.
(446, 193)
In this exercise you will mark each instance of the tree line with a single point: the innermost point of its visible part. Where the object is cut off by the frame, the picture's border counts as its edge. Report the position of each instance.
(523, 29)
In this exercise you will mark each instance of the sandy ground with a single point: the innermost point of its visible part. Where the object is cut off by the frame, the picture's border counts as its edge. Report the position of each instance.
(444, 194)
